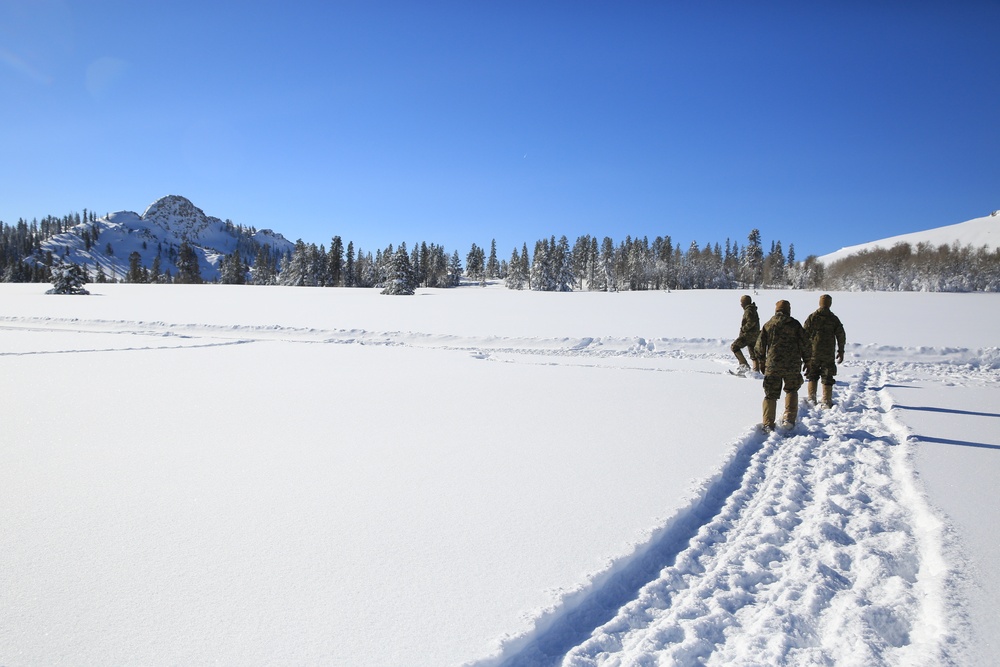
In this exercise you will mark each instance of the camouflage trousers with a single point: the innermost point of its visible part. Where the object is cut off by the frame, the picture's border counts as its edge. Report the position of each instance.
(747, 341)
(822, 369)
(773, 383)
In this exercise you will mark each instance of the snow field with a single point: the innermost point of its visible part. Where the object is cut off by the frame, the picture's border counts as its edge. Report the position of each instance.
(221, 497)
(483, 477)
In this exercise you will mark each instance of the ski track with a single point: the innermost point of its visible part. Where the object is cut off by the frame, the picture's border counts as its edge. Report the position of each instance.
(809, 547)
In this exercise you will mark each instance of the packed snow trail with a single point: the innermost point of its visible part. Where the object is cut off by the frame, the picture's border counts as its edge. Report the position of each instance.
(823, 553)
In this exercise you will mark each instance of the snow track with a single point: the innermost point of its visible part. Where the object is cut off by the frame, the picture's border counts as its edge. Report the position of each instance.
(821, 552)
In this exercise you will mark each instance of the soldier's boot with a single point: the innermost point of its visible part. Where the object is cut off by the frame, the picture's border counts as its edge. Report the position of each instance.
(742, 359)
(811, 392)
(827, 395)
(791, 409)
(770, 408)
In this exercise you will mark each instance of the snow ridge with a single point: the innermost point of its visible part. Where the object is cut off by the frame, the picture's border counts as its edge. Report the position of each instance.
(822, 551)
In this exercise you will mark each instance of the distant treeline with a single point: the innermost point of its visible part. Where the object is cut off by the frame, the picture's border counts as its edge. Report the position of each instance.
(23, 240)
(553, 265)
(924, 268)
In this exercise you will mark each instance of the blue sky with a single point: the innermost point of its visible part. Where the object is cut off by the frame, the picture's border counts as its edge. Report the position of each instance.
(823, 124)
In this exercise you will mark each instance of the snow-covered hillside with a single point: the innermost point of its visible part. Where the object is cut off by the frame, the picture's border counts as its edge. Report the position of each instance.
(978, 232)
(158, 232)
(273, 475)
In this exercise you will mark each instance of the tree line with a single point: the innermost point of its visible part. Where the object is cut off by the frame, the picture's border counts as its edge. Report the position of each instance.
(589, 263)
(920, 268)
(23, 240)
(554, 265)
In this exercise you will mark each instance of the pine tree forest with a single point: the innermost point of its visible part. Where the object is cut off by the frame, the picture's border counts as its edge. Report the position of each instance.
(589, 263)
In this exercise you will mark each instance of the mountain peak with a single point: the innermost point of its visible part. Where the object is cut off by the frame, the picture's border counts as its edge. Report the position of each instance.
(173, 207)
(159, 232)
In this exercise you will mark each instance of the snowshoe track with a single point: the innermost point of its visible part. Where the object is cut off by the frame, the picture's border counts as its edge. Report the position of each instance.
(820, 552)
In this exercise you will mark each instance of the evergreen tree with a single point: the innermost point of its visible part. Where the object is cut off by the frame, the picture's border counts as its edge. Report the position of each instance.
(515, 276)
(319, 265)
(400, 280)
(188, 270)
(423, 266)
(364, 268)
(454, 270)
(335, 262)
(475, 263)
(155, 274)
(349, 273)
(563, 266)
(134, 274)
(492, 265)
(418, 276)
(753, 261)
(581, 252)
(774, 265)
(608, 264)
(383, 265)
(295, 271)
(263, 271)
(233, 270)
(592, 264)
(68, 279)
(525, 264)
(541, 267)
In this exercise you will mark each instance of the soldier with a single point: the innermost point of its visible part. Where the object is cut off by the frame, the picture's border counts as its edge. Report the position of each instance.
(749, 330)
(782, 347)
(825, 333)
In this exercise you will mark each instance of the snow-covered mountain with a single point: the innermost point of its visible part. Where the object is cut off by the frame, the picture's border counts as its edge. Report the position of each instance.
(159, 232)
(978, 232)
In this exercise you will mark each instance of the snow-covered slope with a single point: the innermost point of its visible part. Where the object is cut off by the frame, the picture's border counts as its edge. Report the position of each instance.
(159, 231)
(978, 232)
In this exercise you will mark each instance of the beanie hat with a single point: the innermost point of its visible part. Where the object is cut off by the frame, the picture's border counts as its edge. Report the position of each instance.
(825, 301)
(783, 307)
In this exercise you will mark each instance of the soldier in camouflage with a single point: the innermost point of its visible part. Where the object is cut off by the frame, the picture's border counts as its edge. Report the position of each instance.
(782, 347)
(825, 334)
(749, 330)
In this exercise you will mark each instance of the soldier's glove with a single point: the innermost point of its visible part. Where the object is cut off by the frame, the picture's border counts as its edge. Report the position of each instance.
(840, 357)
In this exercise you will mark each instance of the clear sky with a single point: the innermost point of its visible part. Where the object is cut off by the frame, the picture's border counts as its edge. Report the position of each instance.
(823, 124)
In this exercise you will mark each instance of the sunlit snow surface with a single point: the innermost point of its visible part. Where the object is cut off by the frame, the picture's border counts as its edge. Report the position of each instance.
(203, 474)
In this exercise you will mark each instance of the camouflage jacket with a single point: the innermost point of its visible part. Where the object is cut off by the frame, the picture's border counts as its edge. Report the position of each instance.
(825, 335)
(750, 326)
(782, 345)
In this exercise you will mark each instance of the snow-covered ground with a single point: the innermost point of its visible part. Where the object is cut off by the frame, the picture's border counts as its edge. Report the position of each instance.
(249, 475)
